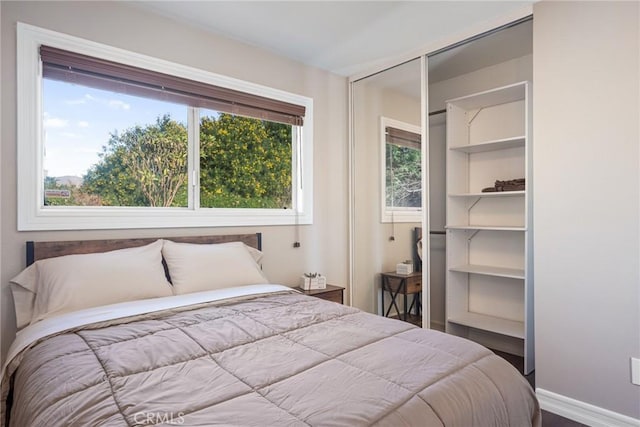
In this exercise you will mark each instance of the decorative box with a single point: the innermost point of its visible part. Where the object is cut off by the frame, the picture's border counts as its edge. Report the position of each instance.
(404, 268)
(314, 282)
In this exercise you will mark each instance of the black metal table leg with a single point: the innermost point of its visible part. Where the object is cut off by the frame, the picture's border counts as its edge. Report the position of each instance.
(386, 286)
(403, 283)
(415, 301)
(383, 287)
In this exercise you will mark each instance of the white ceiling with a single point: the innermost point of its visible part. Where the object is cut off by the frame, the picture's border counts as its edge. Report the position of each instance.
(344, 37)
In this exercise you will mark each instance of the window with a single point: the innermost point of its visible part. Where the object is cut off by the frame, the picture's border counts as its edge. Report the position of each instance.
(245, 162)
(104, 148)
(402, 176)
(113, 139)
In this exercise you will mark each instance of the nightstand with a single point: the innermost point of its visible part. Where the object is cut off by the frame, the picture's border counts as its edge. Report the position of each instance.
(331, 293)
(402, 284)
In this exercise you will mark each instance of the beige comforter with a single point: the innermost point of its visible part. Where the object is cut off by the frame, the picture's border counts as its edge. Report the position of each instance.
(270, 360)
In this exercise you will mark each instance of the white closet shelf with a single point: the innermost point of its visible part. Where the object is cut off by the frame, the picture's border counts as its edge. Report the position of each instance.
(498, 144)
(490, 194)
(485, 227)
(488, 138)
(484, 322)
(511, 273)
(502, 95)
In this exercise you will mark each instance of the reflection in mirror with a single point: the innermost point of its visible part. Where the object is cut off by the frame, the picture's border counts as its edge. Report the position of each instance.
(437, 197)
(386, 173)
(402, 177)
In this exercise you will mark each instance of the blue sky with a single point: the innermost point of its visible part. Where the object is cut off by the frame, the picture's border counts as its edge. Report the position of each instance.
(78, 120)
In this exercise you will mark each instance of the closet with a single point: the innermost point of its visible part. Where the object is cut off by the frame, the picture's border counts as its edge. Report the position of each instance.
(473, 100)
(483, 90)
(488, 283)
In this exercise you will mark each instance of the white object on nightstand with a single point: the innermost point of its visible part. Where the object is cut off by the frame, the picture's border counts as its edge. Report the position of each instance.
(310, 283)
(404, 268)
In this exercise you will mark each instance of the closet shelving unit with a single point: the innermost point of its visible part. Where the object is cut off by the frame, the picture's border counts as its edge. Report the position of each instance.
(489, 255)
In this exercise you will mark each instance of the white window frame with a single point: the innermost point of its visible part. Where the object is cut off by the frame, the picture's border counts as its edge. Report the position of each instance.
(397, 214)
(32, 215)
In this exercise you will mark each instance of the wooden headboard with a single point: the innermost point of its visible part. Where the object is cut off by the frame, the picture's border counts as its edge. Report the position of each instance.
(42, 250)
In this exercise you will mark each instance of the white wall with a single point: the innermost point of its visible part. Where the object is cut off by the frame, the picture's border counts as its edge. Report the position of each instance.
(586, 202)
(374, 252)
(324, 244)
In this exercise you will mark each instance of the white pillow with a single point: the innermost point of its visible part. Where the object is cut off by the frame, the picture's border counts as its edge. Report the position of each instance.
(74, 282)
(255, 253)
(23, 289)
(202, 267)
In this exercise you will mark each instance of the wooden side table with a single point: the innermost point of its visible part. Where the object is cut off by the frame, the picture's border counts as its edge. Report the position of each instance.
(402, 284)
(330, 293)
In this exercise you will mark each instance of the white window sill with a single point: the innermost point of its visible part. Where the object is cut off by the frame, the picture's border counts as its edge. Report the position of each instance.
(124, 218)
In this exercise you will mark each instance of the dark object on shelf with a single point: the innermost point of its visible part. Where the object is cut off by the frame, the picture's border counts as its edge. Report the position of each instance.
(509, 185)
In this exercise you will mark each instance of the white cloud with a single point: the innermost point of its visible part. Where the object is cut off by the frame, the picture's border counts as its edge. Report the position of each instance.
(114, 103)
(83, 124)
(55, 123)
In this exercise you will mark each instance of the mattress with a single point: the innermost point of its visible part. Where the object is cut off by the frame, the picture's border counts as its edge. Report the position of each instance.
(257, 356)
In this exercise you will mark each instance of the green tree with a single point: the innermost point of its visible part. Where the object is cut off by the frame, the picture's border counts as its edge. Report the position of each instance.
(244, 162)
(143, 166)
(111, 179)
(403, 176)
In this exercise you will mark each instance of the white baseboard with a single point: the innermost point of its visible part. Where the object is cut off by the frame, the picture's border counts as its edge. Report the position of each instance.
(582, 412)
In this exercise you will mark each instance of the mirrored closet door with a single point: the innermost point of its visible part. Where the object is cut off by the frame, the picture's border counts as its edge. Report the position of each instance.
(477, 281)
(387, 181)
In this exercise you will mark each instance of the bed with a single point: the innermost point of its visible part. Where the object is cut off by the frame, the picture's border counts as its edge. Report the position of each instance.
(203, 339)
